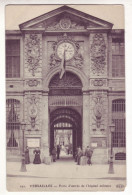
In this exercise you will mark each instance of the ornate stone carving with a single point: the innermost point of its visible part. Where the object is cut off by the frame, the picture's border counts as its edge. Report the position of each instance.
(98, 54)
(65, 37)
(98, 110)
(65, 24)
(54, 60)
(76, 61)
(98, 82)
(33, 51)
(32, 110)
(32, 82)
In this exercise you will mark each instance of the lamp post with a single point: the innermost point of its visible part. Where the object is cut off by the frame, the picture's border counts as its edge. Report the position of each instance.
(111, 168)
(23, 166)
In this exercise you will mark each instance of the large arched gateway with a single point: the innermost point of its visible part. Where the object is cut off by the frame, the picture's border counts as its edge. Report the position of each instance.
(65, 106)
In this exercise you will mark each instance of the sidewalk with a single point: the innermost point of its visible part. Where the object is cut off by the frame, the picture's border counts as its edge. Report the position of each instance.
(68, 169)
(65, 175)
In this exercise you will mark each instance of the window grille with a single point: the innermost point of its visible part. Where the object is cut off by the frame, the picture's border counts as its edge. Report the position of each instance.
(118, 116)
(118, 60)
(118, 105)
(12, 122)
(12, 58)
(120, 156)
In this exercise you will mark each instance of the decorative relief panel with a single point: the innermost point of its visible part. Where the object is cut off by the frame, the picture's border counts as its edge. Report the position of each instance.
(66, 23)
(33, 55)
(98, 82)
(98, 54)
(77, 60)
(98, 113)
(32, 83)
(33, 112)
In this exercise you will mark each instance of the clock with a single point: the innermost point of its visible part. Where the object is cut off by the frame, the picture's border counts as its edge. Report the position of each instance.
(69, 49)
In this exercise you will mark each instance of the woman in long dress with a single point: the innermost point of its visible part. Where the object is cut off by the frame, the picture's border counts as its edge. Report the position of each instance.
(27, 158)
(37, 159)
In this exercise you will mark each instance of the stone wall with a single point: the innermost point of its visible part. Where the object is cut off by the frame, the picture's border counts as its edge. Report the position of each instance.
(93, 60)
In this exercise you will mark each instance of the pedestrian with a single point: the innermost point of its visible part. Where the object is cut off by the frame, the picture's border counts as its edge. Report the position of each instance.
(68, 150)
(75, 154)
(58, 151)
(27, 158)
(37, 159)
(88, 153)
(79, 154)
(54, 154)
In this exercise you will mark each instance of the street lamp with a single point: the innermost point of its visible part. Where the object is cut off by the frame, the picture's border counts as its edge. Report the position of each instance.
(23, 166)
(111, 168)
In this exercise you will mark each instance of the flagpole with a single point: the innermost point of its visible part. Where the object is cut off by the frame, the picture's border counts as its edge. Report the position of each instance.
(65, 70)
(62, 66)
(65, 78)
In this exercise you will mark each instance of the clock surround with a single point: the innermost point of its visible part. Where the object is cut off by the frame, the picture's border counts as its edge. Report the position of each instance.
(68, 46)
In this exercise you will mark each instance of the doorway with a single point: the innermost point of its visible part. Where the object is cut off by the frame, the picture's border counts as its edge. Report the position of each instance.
(65, 130)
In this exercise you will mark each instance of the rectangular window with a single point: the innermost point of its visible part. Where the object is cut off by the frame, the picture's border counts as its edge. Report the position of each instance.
(12, 58)
(118, 137)
(118, 116)
(118, 60)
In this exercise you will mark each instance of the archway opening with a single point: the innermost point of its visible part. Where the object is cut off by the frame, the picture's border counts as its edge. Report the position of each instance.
(65, 131)
(65, 108)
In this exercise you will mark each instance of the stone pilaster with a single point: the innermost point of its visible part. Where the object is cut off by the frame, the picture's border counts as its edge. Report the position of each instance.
(45, 127)
(98, 55)
(33, 56)
(85, 130)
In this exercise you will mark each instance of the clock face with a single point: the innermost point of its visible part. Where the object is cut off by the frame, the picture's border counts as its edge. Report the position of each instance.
(68, 48)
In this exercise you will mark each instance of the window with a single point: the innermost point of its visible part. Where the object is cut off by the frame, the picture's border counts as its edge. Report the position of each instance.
(118, 60)
(12, 121)
(118, 105)
(118, 116)
(12, 58)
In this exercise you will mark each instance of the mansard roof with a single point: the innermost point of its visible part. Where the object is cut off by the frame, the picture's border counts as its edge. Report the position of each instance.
(55, 21)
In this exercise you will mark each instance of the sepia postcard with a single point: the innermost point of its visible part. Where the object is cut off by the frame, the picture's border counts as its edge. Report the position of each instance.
(65, 98)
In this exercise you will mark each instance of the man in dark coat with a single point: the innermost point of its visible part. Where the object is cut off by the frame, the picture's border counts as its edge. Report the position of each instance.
(88, 153)
(27, 158)
(79, 154)
(58, 151)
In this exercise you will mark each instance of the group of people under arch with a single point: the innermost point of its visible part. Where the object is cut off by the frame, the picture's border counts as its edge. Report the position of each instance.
(82, 157)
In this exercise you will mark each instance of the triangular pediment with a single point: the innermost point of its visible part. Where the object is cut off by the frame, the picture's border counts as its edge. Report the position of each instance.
(65, 18)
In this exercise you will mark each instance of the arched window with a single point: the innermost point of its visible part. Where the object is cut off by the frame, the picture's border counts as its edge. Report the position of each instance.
(118, 116)
(12, 121)
(70, 84)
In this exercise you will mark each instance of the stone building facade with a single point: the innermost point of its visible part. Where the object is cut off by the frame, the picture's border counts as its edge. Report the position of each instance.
(89, 96)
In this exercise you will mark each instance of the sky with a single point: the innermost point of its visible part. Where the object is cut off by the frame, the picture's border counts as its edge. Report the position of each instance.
(17, 14)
